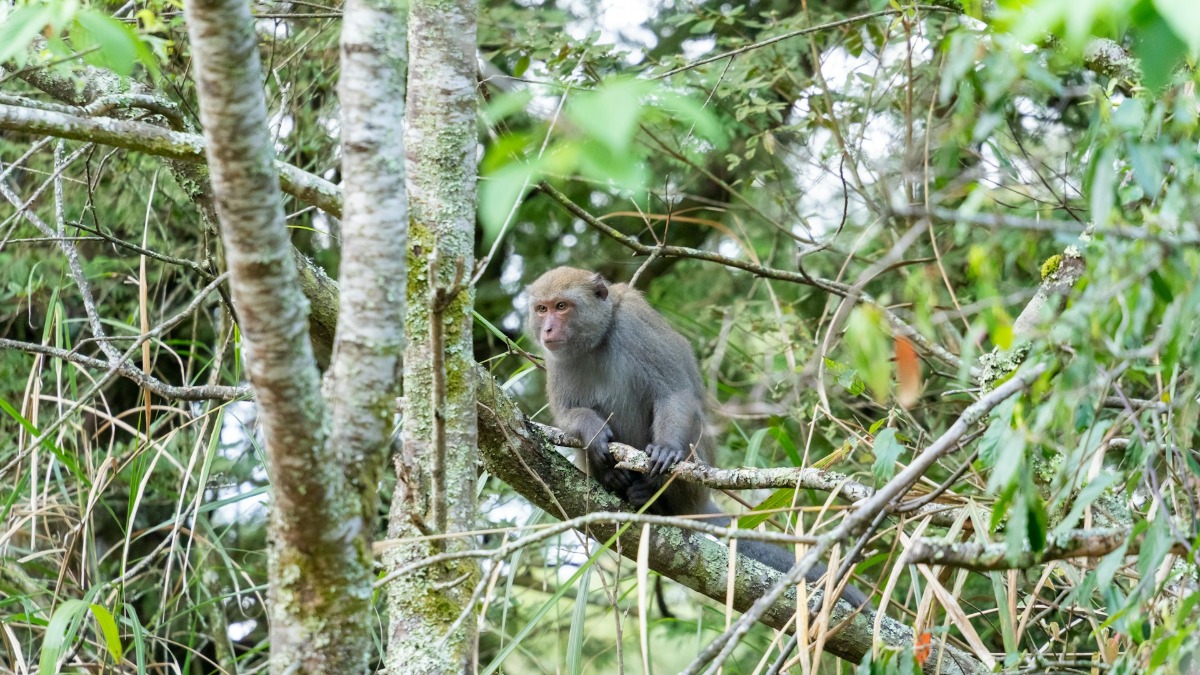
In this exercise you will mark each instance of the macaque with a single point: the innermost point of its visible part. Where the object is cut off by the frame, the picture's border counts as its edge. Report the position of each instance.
(617, 372)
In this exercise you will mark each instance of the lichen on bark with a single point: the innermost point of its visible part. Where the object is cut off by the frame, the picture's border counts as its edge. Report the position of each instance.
(437, 469)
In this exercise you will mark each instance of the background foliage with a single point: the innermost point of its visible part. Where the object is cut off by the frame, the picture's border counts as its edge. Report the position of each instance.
(936, 158)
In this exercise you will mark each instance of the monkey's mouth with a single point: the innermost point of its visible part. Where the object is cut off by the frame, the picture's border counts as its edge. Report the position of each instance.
(553, 344)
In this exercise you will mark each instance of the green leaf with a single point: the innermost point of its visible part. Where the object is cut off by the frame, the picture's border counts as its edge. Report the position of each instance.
(1159, 51)
(1102, 188)
(754, 447)
(847, 377)
(115, 43)
(108, 628)
(1016, 529)
(1002, 506)
(906, 662)
(597, 161)
(780, 434)
(1161, 287)
(522, 66)
(1086, 497)
(693, 112)
(1036, 524)
(64, 624)
(610, 114)
(1183, 612)
(500, 191)
(1109, 564)
(1183, 19)
(887, 450)
(960, 60)
(1155, 545)
(504, 106)
(20, 27)
(1010, 460)
(1162, 651)
(869, 347)
(877, 425)
(1146, 161)
(67, 460)
(780, 499)
(578, 623)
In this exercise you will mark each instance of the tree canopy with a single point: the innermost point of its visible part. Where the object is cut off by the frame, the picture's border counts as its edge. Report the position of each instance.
(938, 264)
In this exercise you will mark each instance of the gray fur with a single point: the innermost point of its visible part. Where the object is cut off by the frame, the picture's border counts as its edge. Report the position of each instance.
(619, 372)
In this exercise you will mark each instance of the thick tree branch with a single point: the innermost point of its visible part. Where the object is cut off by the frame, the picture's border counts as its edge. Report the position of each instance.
(319, 563)
(515, 451)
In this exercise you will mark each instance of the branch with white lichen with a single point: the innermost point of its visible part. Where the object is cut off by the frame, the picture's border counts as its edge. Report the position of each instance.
(989, 557)
(766, 478)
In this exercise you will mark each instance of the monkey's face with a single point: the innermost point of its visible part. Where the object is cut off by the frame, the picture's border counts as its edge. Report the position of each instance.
(553, 322)
(569, 312)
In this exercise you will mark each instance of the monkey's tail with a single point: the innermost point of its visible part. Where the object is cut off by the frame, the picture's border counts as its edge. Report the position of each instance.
(661, 598)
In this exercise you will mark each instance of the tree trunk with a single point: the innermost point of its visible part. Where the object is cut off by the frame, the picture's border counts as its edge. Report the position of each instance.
(438, 468)
(320, 555)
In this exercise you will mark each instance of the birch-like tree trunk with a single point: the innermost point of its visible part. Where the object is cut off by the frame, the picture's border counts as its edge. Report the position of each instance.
(438, 469)
(364, 378)
(320, 558)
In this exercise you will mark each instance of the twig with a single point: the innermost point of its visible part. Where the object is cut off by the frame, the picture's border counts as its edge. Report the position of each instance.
(989, 557)
(776, 477)
(581, 523)
(720, 649)
(1000, 221)
(900, 327)
(803, 31)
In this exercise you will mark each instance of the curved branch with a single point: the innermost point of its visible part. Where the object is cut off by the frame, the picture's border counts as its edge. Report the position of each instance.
(515, 451)
(155, 140)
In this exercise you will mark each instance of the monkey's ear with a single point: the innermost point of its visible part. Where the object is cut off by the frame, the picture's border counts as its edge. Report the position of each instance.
(599, 286)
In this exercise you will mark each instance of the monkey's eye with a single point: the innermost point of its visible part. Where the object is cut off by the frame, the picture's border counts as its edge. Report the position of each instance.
(560, 306)
(540, 309)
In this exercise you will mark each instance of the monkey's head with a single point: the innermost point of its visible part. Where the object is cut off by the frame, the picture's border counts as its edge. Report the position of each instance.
(570, 311)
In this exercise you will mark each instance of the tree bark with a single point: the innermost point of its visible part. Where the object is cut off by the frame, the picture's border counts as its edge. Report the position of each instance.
(514, 451)
(319, 556)
(438, 468)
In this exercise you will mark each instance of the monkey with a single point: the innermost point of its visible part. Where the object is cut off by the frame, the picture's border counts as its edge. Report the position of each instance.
(616, 371)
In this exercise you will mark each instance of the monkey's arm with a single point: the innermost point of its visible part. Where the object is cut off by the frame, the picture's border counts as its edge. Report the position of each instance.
(676, 429)
(586, 426)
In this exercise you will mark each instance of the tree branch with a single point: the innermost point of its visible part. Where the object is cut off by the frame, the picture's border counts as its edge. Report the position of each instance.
(155, 140)
(515, 451)
(900, 327)
(779, 477)
(989, 557)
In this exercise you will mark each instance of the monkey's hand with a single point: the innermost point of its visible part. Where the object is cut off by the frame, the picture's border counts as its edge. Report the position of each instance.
(597, 440)
(663, 456)
(603, 464)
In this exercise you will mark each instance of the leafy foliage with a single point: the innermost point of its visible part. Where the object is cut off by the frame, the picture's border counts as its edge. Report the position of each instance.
(931, 162)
